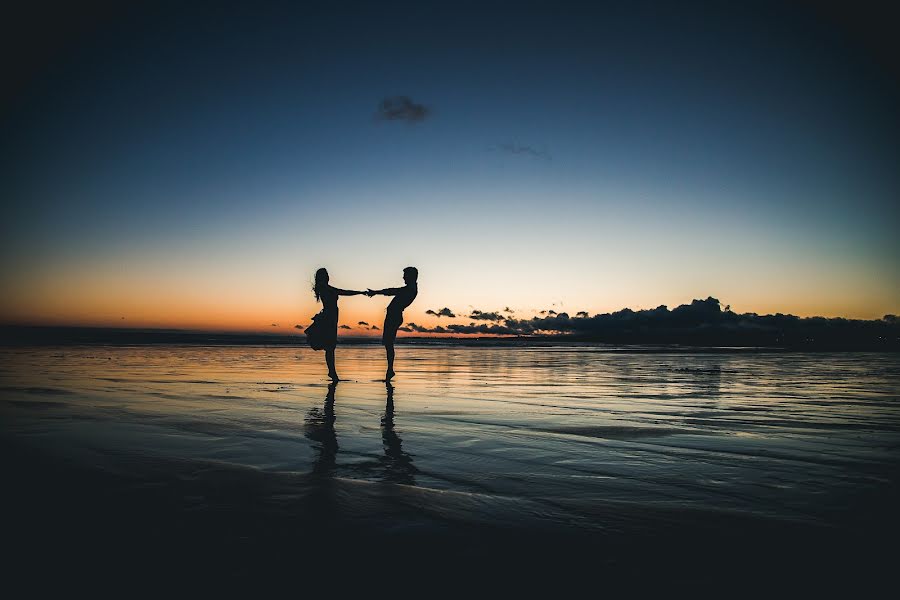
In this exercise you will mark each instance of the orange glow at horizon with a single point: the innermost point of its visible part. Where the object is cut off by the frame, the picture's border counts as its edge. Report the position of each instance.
(166, 308)
(220, 289)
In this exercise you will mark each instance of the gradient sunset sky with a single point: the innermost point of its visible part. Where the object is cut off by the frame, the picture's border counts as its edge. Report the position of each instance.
(192, 167)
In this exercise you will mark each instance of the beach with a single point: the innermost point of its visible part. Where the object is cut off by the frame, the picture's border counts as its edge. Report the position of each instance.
(633, 461)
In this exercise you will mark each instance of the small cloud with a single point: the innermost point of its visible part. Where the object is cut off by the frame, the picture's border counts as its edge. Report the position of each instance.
(375, 328)
(486, 316)
(508, 309)
(524, 149)
(444, 312)
(363, 323)
(300, 327)
(551, 312)
(581, 314)
(406, 329)
(421, 329)
(274, 324)
(402, 108)
(345, 327)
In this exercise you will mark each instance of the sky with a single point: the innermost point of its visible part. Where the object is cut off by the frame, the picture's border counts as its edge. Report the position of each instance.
(191, 165)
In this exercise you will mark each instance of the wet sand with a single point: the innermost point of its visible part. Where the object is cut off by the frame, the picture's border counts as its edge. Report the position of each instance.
(237, 461)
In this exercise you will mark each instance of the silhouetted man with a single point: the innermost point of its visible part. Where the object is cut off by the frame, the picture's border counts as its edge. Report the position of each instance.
(403, 297)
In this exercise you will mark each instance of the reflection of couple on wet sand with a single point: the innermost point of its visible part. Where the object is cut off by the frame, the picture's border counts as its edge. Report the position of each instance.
(322, 334)
(396, 466)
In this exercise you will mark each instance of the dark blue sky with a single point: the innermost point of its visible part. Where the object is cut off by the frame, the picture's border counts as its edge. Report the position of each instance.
(666, 151)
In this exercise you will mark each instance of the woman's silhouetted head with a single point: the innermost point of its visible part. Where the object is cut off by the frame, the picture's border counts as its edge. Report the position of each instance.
(321, 282)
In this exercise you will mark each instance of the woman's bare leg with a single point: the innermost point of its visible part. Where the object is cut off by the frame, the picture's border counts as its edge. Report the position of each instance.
(329, 360)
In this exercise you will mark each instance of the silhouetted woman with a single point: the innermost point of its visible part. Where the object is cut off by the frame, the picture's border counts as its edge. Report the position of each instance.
(328, 295)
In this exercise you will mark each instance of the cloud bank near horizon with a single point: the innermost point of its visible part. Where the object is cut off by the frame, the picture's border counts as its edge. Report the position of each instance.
(698, 321)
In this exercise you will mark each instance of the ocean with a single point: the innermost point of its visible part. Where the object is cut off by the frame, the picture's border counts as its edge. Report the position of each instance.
(639, 459)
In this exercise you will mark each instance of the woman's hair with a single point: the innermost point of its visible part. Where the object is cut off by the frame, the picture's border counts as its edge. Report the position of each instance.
(321, 282)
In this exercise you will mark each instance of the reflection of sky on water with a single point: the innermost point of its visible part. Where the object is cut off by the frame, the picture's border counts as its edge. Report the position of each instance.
(789, 435)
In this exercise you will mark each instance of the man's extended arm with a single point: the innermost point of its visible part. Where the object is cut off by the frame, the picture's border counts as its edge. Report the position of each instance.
(385, 292)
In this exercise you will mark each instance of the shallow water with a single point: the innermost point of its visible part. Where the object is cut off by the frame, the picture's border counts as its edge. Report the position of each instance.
(649, 460)
(548, 436)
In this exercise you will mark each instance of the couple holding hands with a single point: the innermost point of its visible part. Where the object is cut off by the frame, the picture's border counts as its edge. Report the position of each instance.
(322, 334)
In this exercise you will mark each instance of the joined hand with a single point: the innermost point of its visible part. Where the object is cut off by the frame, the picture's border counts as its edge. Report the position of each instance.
(369, 293)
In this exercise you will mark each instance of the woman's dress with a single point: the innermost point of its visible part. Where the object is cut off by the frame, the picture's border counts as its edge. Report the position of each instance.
(329, 318)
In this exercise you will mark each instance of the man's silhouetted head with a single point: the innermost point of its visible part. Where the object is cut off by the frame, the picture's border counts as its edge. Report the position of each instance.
(410, 275)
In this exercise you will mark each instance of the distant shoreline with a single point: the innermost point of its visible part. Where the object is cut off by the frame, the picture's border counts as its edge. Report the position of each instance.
(24, 336)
